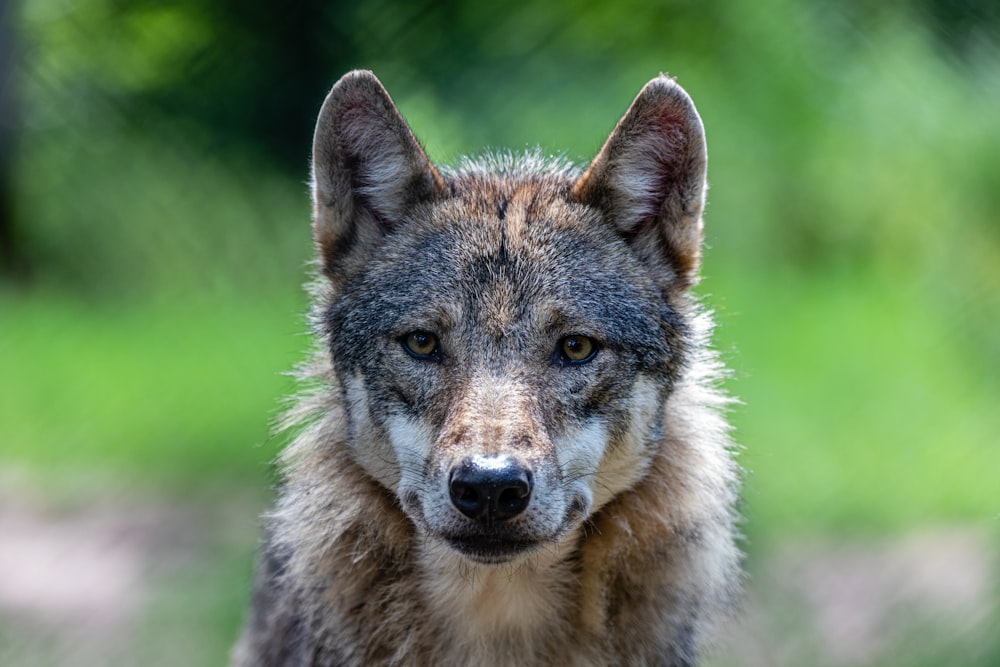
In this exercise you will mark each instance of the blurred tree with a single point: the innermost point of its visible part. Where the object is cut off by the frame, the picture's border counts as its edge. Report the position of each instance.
(245, 74)
(10, 261)
(963, 26)
(110, 82)
(241, 71)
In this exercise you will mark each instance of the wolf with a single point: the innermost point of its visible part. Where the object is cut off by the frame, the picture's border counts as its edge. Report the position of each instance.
(511, 448)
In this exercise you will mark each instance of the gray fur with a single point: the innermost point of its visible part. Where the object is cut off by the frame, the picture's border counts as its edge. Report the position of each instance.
(625, 554)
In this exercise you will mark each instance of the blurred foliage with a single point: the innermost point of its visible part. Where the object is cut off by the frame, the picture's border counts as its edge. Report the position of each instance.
(851, 136)
(157, 161)
(854, 246)
(853, 216)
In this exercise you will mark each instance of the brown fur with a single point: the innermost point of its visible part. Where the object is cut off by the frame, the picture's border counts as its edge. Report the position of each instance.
(625, 552)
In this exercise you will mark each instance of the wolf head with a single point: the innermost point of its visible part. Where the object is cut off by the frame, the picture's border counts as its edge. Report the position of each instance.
(505, 336)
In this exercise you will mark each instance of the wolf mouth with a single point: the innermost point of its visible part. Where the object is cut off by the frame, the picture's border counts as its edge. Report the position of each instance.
(491, 548)
(495, 547)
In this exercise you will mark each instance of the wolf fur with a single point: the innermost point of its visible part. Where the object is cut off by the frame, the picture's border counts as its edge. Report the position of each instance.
(598, 527)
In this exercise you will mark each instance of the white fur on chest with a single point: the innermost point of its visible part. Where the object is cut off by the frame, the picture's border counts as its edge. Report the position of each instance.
(498, 614)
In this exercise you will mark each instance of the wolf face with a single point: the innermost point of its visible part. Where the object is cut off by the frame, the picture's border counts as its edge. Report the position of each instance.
(505, 336)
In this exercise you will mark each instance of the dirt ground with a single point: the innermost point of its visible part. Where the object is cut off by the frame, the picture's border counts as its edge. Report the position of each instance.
(926, 598)
(79, 575)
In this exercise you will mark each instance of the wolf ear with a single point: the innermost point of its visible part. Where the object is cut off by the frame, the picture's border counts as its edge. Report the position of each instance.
(367, 171)
(649, 179)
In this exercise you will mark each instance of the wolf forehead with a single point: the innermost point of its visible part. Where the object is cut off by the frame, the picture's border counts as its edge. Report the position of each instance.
(508, 249)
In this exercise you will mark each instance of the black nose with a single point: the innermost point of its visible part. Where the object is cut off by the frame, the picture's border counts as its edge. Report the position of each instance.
(490, 489)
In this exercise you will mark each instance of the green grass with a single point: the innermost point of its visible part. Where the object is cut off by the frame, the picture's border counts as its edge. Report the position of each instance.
(169, 388)
(860, 412)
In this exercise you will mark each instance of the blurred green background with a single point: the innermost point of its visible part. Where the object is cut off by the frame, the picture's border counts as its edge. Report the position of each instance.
(154, 237)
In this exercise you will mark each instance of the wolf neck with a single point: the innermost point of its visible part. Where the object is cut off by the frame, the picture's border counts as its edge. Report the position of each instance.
(510, 609)
(523, 603)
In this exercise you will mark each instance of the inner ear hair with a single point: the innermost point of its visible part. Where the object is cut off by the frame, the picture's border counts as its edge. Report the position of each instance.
(649, 179)
(368, 170)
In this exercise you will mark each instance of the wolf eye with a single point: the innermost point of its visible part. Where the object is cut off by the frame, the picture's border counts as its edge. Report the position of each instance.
(577, 349)
(421, 345)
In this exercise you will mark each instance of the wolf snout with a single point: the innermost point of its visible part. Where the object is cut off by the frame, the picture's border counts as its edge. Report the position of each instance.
(490, 489)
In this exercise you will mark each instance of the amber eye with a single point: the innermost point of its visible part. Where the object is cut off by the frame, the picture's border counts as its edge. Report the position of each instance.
(577, 349)
(421, 344)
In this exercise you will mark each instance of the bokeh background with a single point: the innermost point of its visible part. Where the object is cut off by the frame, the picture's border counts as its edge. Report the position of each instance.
(154, 238)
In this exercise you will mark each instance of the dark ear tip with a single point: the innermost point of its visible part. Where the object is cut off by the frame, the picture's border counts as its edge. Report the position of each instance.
(354, 83)
(665, 86)
(666, 89)
(669, 101)
(358, 88)
(356, 78)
